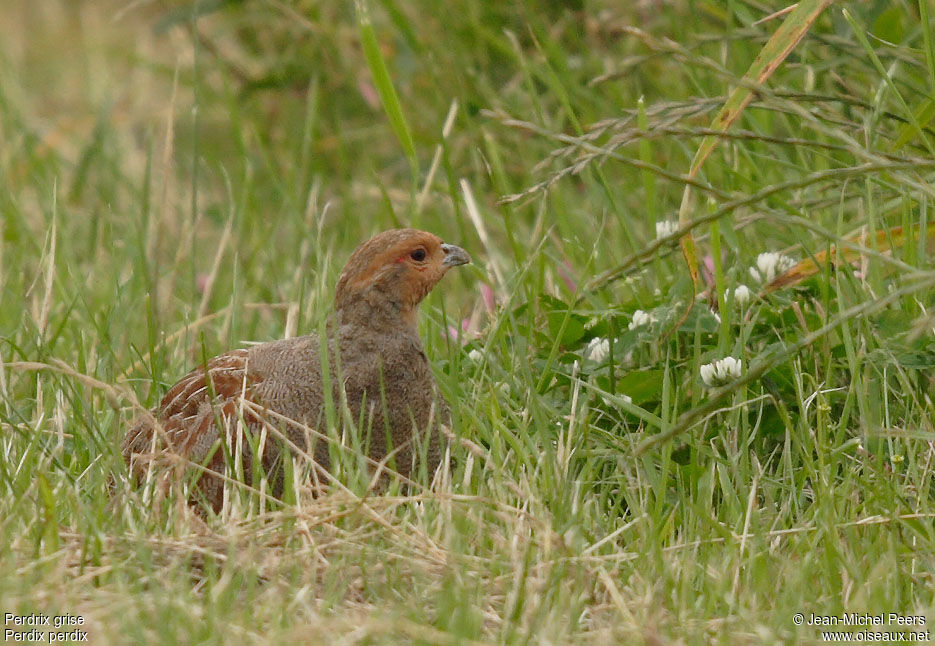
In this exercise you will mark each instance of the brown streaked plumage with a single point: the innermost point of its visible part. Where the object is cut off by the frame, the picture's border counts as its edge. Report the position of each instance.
(373, 346)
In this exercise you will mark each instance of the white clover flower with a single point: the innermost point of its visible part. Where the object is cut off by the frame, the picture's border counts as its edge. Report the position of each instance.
(476, 356)
(641, 318)
(666, 228)
(598, 349)
(769, 265)
(742, 294)
(721, 371)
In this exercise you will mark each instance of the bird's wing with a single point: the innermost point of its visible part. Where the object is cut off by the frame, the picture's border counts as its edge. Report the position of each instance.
(189, 413)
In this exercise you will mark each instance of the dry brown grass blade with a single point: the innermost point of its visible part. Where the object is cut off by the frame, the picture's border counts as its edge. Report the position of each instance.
(886, 240)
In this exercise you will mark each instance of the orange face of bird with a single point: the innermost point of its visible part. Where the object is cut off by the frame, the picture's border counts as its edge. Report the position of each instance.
(403, 265)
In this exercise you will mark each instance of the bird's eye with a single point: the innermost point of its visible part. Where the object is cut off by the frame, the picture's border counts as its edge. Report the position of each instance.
(418, 255)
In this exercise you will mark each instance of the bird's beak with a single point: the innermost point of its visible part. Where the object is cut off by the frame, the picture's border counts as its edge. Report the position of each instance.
(454, 256)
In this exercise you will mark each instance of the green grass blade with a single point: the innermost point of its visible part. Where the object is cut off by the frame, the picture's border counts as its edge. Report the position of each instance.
(912, 117)
(384, 84)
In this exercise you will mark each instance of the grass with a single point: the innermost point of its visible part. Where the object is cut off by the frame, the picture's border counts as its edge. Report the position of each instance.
(179, 178)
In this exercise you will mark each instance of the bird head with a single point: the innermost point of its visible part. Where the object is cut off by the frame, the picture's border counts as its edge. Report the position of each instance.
(390, 274)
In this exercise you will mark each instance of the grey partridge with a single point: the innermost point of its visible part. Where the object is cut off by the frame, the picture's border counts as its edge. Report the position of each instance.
(375, 364)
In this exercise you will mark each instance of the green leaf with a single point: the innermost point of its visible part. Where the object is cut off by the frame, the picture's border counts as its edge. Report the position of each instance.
(573, 330)
(641, 386)
(889, 26)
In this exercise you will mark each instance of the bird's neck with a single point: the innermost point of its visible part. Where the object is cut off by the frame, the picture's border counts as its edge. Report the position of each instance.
(375, 312)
